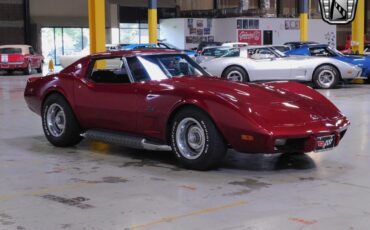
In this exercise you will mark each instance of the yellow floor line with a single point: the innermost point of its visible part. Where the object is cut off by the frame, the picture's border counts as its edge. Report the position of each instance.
(44, 191)
(195, 213)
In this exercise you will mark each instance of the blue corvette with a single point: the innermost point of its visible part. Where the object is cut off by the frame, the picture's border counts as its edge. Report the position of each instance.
(327, 51)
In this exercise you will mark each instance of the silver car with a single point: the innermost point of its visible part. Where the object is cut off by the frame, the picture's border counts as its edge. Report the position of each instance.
(267, 63)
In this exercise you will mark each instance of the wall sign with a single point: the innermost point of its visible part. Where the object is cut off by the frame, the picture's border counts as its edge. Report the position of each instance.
(252, 37)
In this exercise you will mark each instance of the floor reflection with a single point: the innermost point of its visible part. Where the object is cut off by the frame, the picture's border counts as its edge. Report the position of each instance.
(268, 162)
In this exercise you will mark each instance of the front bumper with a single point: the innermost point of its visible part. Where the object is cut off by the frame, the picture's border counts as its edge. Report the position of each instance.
(298, 139)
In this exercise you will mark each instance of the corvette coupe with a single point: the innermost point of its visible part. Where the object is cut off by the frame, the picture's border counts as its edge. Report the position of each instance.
(162, 100)
(325, 51)
(266, 63)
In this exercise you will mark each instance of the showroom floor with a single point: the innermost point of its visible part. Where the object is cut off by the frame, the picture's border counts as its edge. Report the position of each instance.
(99, 186)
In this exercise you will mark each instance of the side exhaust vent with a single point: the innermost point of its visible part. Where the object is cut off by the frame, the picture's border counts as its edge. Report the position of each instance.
(126, 140)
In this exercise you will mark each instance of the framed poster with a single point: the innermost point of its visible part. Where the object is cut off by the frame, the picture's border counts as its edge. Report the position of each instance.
(252, 37)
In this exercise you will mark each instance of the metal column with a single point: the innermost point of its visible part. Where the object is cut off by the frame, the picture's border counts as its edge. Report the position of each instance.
(303, 15)
(358, 28)
(152, 21)
(97, 25)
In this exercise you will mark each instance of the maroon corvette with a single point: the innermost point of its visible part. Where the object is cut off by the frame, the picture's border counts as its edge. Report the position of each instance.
(162, 100)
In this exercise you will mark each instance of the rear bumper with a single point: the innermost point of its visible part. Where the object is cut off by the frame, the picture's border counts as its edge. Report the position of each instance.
(298, 139)
(13, 66)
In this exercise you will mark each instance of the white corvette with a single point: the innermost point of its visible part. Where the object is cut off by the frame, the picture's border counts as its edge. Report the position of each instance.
(267, 63)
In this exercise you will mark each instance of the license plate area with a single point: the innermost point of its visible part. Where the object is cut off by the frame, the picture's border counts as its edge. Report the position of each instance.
(325, 143)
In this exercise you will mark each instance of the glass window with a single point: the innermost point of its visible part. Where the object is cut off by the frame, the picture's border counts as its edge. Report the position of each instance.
(72, 41)
(131, 33)
(159, 67)
(110, 70)
(64, 41)
(10, 51)
(321, 52)
(233, 53)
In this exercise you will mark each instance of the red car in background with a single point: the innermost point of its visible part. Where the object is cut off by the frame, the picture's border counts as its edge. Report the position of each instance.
(20, 57)
(163, 100)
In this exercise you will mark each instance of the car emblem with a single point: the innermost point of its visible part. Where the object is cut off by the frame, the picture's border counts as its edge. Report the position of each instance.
(314, 117)
(338, 11)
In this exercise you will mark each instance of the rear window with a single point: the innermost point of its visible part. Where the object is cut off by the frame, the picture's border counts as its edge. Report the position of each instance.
(10, 51)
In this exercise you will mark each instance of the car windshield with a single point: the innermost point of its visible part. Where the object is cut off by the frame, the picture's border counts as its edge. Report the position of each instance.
(159, 67)
(10, 51)
(232, 53)
(215, 52)
(278, 52)
(335, 51)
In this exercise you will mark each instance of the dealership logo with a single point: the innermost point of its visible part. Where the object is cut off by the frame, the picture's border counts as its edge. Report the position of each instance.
(338, 11)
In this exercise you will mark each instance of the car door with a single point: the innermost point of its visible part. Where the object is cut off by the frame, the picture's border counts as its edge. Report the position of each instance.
(266, 65)
(106, 97)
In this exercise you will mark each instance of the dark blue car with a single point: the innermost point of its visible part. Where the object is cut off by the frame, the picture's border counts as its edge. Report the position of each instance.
(327, 51)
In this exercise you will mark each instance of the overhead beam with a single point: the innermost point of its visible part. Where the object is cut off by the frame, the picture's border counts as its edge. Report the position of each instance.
(358, 29)
(97, 25)
(303, 18)
(152, 21)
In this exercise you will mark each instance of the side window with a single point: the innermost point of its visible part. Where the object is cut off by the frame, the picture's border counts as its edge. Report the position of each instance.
(31, 51)
(109, 70)
(262, 53)
(137, 70)
(320, 52)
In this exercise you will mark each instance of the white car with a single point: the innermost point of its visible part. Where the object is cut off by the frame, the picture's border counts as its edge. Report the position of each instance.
(235, 44)
(266, 63)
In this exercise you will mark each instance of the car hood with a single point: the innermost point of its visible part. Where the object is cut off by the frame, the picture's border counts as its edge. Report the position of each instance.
(262, 102)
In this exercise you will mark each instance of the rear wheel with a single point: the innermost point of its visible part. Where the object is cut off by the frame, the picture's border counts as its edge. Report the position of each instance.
(28, 69)
(196, 140)
(235, 73)
(325, 77)
(59, 123)
(39, 70)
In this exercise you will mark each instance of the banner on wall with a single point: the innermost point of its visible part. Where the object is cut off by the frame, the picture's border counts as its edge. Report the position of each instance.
(252, 37)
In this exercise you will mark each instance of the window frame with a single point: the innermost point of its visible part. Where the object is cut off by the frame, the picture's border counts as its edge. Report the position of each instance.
(91, 68)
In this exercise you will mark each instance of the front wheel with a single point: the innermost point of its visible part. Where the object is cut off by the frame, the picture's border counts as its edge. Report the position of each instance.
(196, 140)
(235, 73)
(59, 123)
(325, 77)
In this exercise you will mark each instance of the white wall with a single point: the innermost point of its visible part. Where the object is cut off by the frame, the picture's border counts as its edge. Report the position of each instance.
(225, 30)
(173, 30)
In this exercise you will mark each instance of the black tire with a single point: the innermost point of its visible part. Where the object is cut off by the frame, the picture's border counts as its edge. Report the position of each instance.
(39, 70)
(71, 132)
(28, 69)
(214, 148)
(332, 74)
(237, 70)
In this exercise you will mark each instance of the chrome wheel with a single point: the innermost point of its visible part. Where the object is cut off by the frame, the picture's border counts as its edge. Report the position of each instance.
(235, 76)
(190, 138)
(29, 68)
(56, 120)
(326, 78)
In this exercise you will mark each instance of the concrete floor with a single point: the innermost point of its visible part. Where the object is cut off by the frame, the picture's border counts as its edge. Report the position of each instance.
(99, 186)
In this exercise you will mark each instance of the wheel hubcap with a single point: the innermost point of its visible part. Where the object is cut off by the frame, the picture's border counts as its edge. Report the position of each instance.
(235, 76)
(190, 138)
(56, 120)
(326, 78)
